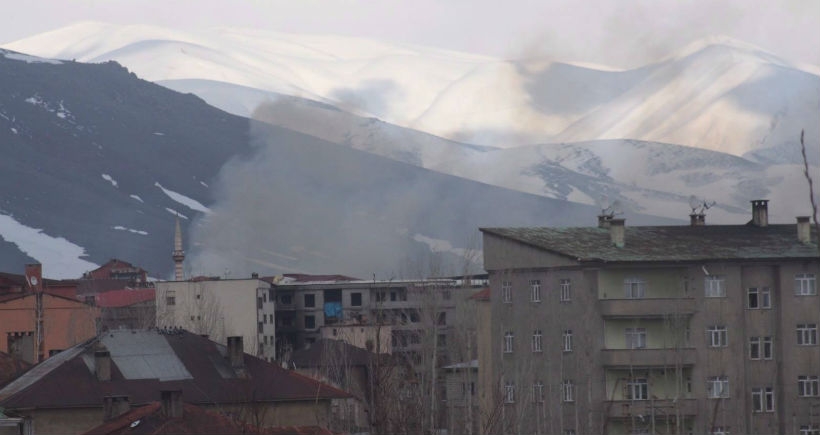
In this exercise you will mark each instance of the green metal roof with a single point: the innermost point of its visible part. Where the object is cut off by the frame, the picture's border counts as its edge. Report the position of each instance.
(667, 243)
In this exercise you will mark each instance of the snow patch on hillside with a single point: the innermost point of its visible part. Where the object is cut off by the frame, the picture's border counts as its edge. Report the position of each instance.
(130, 230)
(60, 258)
(28, 58)
(184, 200)
(109, 179)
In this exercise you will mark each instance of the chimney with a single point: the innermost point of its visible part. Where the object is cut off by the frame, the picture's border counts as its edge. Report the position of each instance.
(603, 220)
(102, 365)
(34, 277)
(236, 352)
(171, 401)
(616, 231)
(803, 229)
(760, 212)
(115, 406)
(697, 219)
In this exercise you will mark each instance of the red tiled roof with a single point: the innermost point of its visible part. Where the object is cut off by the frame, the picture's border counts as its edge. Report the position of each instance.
(124, 298)
(483, 295)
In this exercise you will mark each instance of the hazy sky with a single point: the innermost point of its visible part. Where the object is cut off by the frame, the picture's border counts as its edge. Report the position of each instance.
(615, 32)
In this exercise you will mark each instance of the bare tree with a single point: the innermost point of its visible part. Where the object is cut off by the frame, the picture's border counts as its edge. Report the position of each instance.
(811, 184)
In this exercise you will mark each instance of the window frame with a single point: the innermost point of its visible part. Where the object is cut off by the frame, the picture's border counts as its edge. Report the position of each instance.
(805, 284)
(567, 391)
(509, 336)
(509, 392)
(808, 386)
(538, 392)
(634, 288)
(567, 340)
(717, 384)
(639, 386)
(506, 292)
(635, 338)
(762, 400)
(565, 284)
(535, 290)
(717, 336)
(537, 341)
(714, 286)
(806, 334)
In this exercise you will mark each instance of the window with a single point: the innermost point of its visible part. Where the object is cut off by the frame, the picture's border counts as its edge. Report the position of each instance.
(805, 284)
(808, 386)
(717, 387)
(259, 327)
(356, 299)
(569, 431)
(637, 389)
(759, 298)
(635, 338)
(760, 347)
(763, 399)
(287, 299)
(538, 392)
(393, 297)
(310, 301)
(566, 290)
(380, 297)
(720, 430)
(467, 387)
(259, 303)
(442, 318)
(506, 292)
(535, 288)
(509, 393)
(310, 322)
(809, 429)
(508, 342)
(536, 340)
(567, 391)
(716, 336)
(170, 298)
(567, 340)
(446, 295)
(807, 334)
(634, 288)
(713, 286)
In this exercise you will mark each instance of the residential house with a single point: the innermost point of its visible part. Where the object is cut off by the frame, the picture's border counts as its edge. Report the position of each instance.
(132, 368)
(39, 318)
(669, 329)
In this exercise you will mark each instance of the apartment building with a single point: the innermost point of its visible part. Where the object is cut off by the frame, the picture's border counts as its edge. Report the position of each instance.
(309, 308)
(221, 308)
(659, 330)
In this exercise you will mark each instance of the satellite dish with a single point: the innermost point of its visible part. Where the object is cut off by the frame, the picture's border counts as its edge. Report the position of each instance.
(694, 202)
(33, 280)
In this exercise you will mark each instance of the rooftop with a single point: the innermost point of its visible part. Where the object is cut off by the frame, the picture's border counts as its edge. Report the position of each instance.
(124, 298)
(143, 362)
(667, 243)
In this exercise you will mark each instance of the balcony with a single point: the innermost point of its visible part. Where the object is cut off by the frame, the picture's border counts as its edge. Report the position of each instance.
(648, 307)
(648, 357)
(659, 408)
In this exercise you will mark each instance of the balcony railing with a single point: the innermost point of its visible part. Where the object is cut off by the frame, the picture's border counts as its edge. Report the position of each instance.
(648, 357)
(659, 408)
(646, 307)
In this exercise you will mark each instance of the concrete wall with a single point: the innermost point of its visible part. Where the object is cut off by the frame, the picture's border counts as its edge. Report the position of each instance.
(221, 309)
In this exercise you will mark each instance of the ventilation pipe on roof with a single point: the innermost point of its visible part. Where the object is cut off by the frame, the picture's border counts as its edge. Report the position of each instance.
(115, 406)
(760, 212)
(616, 231)
(236, 352)
(697, 219)
(102, 365)
(171, 401)
(803, 229)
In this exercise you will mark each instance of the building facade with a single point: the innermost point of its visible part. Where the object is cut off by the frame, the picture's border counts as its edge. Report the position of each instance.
(220, 308)
(668, 330)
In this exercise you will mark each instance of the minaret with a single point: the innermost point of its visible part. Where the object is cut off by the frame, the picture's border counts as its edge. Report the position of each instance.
(179, 254)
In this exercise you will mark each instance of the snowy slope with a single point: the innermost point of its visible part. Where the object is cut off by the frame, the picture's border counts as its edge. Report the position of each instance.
(717, 94)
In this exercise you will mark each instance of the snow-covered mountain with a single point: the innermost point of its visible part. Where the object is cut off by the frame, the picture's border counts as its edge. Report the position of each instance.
(97, 163)
(716, 94)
